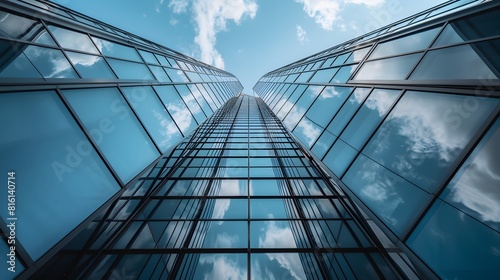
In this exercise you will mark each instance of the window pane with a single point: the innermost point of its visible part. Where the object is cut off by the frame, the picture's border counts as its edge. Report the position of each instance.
(148, 57)
(389, 196)
(368, 117)
(474, 189)
(323, 144)
(130, 70)
(160, 74)
(327, 104)
(425, 133)
(301, 106)
(349, 108)
(222, 234)
(395, 68)
(339, 157)
(410, 43)
(357, 55)
(177, 76)
(343, 74)
(113, 49)
(55, 163)
(474, 61)
(17, 27)
(455, 245)
(50, 62)
(15, 64)
(154, 116)
(91, 66)
(177, 109)
(73, 40)
(191, 103)
(323, 76)
(114, 128)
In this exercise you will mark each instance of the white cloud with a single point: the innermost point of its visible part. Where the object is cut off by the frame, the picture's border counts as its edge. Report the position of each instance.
(157, 5)
(369, 3)
(173, 21)
(326, 12)
(178, 6)
(211, 17)
(301, 35)
(225, 240)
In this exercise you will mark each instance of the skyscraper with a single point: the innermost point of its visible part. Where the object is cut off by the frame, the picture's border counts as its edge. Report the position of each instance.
(376, 158)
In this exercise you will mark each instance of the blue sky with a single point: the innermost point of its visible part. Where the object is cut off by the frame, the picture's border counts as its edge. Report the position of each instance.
(248, 37)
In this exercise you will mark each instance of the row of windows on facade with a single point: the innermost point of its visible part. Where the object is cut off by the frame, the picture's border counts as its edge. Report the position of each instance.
(448, 56)
(83, 56)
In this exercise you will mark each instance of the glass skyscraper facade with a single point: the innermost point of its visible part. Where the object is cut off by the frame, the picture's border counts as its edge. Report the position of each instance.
(405, 119)
(374, 159)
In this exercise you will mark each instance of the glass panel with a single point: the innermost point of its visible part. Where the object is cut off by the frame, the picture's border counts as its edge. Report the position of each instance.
(14, 63)
(474, 189)
(55, 163)
(177, 109)
(348, 110)
(264, 187)
(191, 103)
(455, 245)
(160, 74)
(324, 76)
(474, 61)
(303, 77)
(327, 104)
(14, 26)
(148, 57)
(425, 133)
(215, 266)
(343, 74)
(307, 132)
(277, 266)
(114, 128)
(395, 68)
(50, 62)
(409, 43)
(271, 234)
(223, 234)
(301, 106)
(69, 39)
(201, 99)
(90, 66)
(130, 70)
(390, 197)
(163, 61)
(323, 144)
(177, 76)
(113, 49)
(358, 55)
(340, 157)
(368, 117)
(154, 116)
(341, 59)
(267, 208)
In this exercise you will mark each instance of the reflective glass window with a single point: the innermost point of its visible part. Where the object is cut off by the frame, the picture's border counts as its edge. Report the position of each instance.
(201, 99)
(301, 106)
(327, 104)
(348, 110)
(303, 77)
(340, 157)
(113, 49)
(278, 266)
(307, 131)
(323, 144)
(409, 43)
(223, 234)
(114, 128)
(69, 39)
(177, 76)
(272, 234)
(90, 66)
(191, 103)
(160, 74)
(426, 132)
(267, 208)
(148, 57)
(163, 61)
(59, 175)
(17, 27)
(455, 245)
(264, 187)
(154, 116)
(177, 108)
(323, 76)
(394, 68)
(357, 55)
(15, 64)
(393, 199)
(50, 63)
(130, 70)
(368, 117)
(343, 74)
(474, 189)
(208, 266)
(341, 59)
(473, 61)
